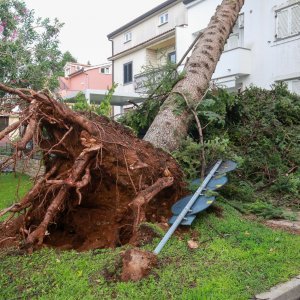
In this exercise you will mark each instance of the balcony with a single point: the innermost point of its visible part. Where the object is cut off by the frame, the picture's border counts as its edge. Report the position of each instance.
(236, 62)
(145, 81)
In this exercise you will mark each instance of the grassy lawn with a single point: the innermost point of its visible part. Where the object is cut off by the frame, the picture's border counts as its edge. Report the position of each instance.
(9, 191)
(237, 258)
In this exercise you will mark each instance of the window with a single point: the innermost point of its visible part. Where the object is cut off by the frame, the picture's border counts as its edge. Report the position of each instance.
(67, 72)
(288, 21)
(294, 85)
(172, 57)
(127, 37)
(127, 70)
(104, 70)
(236, 38)
(163, 18)
(3, 122)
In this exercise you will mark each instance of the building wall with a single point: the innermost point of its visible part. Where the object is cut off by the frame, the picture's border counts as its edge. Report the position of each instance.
(89, 79)
(150, 28)
(264, 60)
(139, 59)
(30, 167)
(154, 53)
(13, 119)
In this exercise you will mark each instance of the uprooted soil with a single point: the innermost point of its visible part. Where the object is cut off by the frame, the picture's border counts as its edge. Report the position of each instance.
(100, 183)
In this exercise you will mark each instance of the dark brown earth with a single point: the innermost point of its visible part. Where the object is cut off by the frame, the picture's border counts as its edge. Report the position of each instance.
(100, 183)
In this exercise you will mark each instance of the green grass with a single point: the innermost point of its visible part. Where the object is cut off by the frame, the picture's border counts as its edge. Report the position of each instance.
(12, 188)
(237, 258)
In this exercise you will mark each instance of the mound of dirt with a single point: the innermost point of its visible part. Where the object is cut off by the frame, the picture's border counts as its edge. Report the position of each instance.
(100, 182)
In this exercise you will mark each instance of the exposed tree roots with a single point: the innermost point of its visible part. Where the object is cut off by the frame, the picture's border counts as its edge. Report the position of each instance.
(100, 182)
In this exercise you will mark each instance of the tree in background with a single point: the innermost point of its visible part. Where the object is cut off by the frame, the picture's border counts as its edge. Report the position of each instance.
(66, 57)
(102, 109)
(29, 48)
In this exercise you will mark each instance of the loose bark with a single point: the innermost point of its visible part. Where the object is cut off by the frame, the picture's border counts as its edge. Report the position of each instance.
(168, 128)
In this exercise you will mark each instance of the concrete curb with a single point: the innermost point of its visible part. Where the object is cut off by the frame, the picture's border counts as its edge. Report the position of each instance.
(285, 291)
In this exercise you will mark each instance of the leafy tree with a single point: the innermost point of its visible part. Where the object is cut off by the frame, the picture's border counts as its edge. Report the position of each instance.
(66, 57)
(104, 108)
(80, 101)
(29, 48)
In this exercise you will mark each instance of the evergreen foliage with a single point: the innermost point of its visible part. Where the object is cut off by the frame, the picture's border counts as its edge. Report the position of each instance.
(260, 129)
(157, 83)
(104, 108)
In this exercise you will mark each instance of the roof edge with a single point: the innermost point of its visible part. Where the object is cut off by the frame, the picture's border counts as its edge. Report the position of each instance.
(187, 1)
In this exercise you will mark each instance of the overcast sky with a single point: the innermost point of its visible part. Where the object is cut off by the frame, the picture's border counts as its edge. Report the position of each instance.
(88, 22)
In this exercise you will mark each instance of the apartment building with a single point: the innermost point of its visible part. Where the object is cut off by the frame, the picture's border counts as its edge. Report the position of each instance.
(263, 48)
(150, 39)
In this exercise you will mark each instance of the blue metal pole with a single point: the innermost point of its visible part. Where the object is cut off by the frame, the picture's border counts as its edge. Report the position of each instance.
(187, 208)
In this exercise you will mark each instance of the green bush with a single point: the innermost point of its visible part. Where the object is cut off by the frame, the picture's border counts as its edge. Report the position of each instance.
(258, 128)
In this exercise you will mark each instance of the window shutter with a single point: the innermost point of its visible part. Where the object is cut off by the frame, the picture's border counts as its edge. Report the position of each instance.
(295, 22)
(130, 72)
(125, 73)
(282, 23)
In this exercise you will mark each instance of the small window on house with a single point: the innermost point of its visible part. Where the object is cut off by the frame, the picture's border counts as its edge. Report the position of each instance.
(163, 18)
(104, 70)
(127, 70)
(288, 21)
(127, 37)
(172, 57)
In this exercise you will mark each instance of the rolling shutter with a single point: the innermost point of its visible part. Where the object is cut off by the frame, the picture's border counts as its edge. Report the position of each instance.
(295, 19)
(282, 23)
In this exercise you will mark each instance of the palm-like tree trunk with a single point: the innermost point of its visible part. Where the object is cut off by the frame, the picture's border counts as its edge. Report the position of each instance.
(168, 128)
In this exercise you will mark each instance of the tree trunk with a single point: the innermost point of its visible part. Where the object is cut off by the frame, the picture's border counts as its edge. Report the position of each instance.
(169, 127)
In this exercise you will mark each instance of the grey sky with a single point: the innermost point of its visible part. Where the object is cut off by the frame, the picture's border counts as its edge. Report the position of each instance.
(88, 22)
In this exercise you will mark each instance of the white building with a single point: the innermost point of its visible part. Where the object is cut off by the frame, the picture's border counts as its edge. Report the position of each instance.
(149, 39)
(263, 48)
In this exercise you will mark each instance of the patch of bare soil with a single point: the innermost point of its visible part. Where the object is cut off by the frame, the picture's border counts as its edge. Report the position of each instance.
(290, 226)
(9, 233)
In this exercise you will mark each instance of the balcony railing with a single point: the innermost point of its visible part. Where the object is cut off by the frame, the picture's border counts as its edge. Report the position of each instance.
(147, 81)
(235, 62)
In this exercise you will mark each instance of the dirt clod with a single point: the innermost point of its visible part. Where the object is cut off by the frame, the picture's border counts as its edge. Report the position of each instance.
(193, 245)
(137, 264)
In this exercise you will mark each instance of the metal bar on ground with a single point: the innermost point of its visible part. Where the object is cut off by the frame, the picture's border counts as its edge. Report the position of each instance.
(187, 208)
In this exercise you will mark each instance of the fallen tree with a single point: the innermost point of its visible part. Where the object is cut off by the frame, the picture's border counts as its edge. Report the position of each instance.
(100, 183)
(198, 70)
